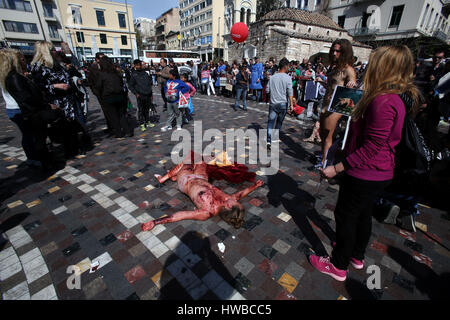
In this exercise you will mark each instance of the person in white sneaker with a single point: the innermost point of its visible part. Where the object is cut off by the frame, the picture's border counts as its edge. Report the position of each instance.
(173, 88)
(140, 84)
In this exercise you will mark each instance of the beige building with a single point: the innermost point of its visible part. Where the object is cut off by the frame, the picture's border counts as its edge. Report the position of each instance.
(25, 22)
(95, 26)
(167, 22)
(202, 27)
(173, 40)
(294, 34)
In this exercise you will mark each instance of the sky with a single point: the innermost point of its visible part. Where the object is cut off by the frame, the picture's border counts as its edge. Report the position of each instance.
(150, 8)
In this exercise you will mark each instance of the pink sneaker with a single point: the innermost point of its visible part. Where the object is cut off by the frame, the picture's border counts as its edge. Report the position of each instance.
(324, 265)
(357, 264)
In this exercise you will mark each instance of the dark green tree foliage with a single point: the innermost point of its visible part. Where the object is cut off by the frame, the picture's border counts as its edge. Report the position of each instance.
(265, 6)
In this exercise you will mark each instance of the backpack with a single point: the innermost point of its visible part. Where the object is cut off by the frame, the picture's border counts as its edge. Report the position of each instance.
(413, 156)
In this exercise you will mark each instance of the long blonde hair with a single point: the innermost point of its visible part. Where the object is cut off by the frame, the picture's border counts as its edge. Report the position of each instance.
(9, 61)
(42, 55)
(390, 71)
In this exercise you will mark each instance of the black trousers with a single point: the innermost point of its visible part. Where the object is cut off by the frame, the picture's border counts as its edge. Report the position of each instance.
(163, 95)
(105, 112)
(144, 108)
(117, 108)
(353, 215)
(38, 126)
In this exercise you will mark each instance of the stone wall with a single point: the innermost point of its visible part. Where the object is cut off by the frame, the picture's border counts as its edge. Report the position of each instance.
(292, 40)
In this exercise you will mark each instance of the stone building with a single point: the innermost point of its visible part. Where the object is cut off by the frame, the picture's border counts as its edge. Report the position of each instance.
(294, 34)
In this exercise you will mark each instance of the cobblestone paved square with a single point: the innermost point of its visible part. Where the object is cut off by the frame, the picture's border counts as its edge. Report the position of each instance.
(91, 210)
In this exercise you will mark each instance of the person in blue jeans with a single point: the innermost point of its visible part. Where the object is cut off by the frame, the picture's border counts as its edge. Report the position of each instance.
(241, 88)
(280, 88)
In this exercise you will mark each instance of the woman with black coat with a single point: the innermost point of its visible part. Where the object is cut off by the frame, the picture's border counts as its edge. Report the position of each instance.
(114, 94)
(36, 112)
(58, 88)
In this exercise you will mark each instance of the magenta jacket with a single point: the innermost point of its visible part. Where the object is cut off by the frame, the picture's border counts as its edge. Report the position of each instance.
(372, 139)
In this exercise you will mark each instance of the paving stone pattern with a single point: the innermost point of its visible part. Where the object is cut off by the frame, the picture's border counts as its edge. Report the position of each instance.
(91, 212)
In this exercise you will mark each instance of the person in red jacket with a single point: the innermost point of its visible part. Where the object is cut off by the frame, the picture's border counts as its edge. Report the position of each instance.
(369, 164)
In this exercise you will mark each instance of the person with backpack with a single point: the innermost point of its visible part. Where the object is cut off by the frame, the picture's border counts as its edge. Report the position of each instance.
(173, 89)
(377, 124)
(415, 156)
(190, 109)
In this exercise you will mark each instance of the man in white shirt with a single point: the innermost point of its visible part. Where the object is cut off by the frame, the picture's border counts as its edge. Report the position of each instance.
(280, 88)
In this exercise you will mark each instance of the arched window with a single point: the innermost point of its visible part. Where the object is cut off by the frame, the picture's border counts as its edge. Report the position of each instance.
(242, 14)
(249, 14)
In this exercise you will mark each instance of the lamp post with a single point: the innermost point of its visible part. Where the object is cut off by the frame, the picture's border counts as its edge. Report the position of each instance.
(129, 30)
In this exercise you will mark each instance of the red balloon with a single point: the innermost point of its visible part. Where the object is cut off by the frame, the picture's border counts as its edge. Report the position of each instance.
(239, 32)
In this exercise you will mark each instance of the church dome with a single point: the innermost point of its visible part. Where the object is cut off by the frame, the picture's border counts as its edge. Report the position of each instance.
(303, 17)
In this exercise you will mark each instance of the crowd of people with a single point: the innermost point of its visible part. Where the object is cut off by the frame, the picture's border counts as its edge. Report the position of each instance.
(47, 98)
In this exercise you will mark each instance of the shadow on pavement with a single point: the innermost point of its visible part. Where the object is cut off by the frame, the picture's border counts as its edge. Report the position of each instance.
(359, 291)
(23, 177)
(436, 287)
(10, 223)
(6, 140)
(300, 205)
(295, 149)
(198, 261)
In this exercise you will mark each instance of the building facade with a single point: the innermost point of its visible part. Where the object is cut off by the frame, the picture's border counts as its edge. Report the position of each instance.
(294, 34)
(202, 27)
(167, 22)
(93, 26)
(309, 5)
(25, 22)
(382, 20)
(146, 27)
(173, 40)
(237, 11)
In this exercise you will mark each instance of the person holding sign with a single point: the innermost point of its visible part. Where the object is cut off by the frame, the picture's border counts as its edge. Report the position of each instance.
(341, 73)
(174, 90)
(221, 73)
(376, 129)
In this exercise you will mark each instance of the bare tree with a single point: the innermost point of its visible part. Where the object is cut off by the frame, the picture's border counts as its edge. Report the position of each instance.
(265, 6)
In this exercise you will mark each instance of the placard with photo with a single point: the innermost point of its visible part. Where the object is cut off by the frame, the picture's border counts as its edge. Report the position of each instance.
(344, 100)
